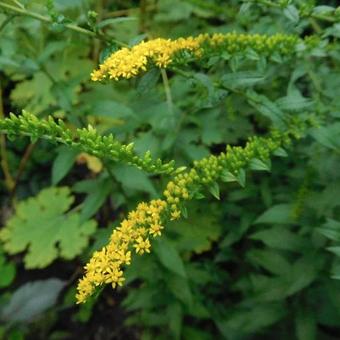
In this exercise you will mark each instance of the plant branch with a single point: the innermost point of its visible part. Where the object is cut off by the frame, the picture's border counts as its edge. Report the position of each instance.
(9, 182)
(167, 91)
(72, 27)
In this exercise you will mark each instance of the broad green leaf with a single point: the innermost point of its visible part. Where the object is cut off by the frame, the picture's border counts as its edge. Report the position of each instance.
(134, 179)
(258, 164)
(215, 190)
(280, 238)
(179, 287)
(334, 250)
(303, 273)
(294, 103)
(242, 79)
(7, 270)
(251, 319)
(266, 107)
(270, 260)
(305, 324)
(168, 256)
(148, 81)
(198, 232)
(280, 152)
(277, 214)
(96, 198)
(41, 227)
(327, 136)
(63, 164)
(292, 13)
(331, 230)
(32, 299)
(175, 317)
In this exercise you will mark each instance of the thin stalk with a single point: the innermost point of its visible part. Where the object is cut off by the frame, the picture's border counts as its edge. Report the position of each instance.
(167, 90)
(9, 182)
(22, 166)
(72, 27)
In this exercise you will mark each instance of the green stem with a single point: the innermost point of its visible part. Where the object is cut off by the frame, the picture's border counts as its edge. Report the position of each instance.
(9, 182)
(72, 27)
(167, 90)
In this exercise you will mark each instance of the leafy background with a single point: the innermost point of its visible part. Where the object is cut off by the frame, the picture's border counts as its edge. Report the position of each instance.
(260, 263)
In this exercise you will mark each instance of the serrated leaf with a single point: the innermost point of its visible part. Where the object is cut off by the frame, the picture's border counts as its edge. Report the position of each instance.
(32, 299)
(242, 79)
(292, 13)
(215, 190)
(266, 107)
(258, 164)
(41, 227)
(169, 257)
(197, 233)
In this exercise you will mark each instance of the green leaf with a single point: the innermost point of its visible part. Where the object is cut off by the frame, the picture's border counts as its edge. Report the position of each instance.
(292, 13)
(96, 198)
(294, 102)
(198, 232)
(7, 270)
(32, 299)
(280, 152)
(270, 260)
(134, 179)
(63, 164)
(175, 317)
(331, 230)
(258, 164)
(41, 227)
(334, 250)
(242, 79)
(277, 214)
(148, 81)
(280, 238)
(305, 324)
(241, 177)
(215, 190)
(250, 319)
(179, 287)
(169, 257)
(266, 107)
(327, 136)
(303, 273)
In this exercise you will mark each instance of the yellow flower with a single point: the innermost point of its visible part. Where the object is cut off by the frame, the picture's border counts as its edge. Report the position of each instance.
(175, 215)
(142, 245)
(106, 265)
(129, 62)
(155, 229)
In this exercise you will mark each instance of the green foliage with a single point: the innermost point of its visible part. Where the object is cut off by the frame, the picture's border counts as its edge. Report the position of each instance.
(256, 253)
(43, 226)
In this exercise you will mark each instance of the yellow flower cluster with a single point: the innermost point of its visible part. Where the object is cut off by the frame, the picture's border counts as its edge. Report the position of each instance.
(129, 62)
(105, 266)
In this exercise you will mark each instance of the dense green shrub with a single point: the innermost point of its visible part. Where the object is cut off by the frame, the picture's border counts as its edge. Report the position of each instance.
(212, 151)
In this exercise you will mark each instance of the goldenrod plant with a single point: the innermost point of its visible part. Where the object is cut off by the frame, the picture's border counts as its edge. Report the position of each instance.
(169, 169)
